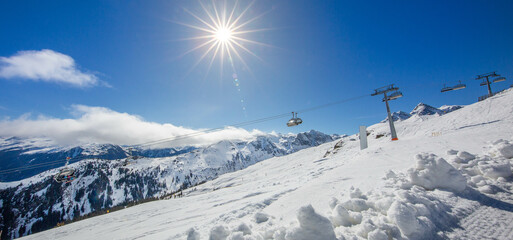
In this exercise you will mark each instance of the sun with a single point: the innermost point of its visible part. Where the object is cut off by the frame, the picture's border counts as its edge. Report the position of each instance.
(223, 33)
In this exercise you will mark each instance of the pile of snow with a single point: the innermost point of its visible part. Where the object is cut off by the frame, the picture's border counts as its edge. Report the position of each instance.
(415, 204)
(502, 148)
(484, 172)
(432, 172)
(311, 226)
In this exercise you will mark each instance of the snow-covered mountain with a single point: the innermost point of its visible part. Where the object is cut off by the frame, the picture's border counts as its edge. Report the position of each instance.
(449, 108)
(38, 203)
(455, 184)
(18, 152)
(398, 116)
(421, 111)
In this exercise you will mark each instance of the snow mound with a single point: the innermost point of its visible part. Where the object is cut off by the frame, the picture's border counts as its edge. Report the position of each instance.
(502, 148)
(377, 234)
(356, 205)
(432, 172)
(495, 169)
(261, 217)
(482, 170)
(342, 217)
(192, 234)
(219, 233)
(311, 226)
(404, 215)
(465, 156)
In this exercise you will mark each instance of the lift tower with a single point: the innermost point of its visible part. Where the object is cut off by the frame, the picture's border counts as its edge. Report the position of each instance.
(395, 95)
(487, 82)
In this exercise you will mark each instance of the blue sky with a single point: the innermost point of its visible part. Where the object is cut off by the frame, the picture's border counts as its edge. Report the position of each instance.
(320, 52)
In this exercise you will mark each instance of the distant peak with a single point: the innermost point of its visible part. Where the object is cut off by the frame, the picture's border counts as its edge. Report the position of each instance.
(398, 116)
(423, 109)
(450, 108)
(314, 132)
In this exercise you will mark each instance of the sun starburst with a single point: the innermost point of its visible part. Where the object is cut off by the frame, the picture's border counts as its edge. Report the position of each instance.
(222, 33)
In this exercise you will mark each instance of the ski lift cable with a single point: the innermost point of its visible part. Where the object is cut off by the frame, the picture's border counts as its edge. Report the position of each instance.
(189, 135)
(251, 122)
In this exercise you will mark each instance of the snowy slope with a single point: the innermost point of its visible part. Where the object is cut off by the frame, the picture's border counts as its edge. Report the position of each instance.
(459, 188)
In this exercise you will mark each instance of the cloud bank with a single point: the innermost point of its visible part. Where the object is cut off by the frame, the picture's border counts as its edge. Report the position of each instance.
(45, 65)
(103, 125)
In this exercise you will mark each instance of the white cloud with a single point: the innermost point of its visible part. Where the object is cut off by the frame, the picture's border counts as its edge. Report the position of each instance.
(102, 125)
(45, 65)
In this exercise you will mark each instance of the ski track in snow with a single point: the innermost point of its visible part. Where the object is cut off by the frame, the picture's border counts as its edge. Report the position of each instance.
(487, 223)
(421, 199)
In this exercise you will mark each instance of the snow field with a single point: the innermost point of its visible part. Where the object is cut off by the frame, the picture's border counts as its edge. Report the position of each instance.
(416, 204)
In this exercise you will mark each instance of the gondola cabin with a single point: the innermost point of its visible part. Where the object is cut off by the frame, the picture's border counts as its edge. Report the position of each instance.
(65, 175)
(294, 121)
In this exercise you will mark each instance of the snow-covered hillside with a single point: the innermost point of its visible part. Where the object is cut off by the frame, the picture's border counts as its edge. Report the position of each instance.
(447, 177)
(39, 203)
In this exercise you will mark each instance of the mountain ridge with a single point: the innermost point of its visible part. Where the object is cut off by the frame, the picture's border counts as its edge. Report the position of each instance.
(421, 110)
